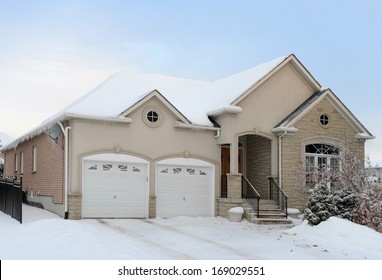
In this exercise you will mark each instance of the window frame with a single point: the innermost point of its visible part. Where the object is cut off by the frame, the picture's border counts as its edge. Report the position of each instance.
(21, 163)
(16, 163)
(330, 158)
(325, 120)
(34, 159)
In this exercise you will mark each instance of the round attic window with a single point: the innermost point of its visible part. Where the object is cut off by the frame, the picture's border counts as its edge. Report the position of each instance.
(152, 117)
(324, 120)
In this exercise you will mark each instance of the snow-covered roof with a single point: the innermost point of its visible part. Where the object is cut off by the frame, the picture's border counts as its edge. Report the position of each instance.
(194, 99)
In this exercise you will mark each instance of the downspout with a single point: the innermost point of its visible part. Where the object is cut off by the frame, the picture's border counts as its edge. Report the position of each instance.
(281, 131)
(280, 137)
(65, 131)
(217, 135)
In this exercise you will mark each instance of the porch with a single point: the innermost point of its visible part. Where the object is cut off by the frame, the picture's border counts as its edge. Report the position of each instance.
(272, 209)
(251, 184)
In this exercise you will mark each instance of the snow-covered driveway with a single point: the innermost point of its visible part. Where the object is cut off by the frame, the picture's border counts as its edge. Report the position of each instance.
(176, 241)
(46, 236)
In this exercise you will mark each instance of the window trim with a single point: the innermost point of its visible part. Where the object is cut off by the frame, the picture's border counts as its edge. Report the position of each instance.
(316, 156)
(16, 163)
(147, 121)
(34, 159)
(21, 163)
(328, 120)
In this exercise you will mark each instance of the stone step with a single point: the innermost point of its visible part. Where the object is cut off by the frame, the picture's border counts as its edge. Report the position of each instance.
(279, 215)
(270, 213)
(265, 221)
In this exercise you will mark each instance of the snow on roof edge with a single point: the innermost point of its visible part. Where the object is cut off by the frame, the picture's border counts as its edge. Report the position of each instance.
(60, 116)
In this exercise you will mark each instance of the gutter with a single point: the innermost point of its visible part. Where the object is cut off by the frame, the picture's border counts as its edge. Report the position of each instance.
(48, 124)
(195, 126)
(364, 136)
(97, 118)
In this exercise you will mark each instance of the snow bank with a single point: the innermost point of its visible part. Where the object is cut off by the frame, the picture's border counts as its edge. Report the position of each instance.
(44, 235)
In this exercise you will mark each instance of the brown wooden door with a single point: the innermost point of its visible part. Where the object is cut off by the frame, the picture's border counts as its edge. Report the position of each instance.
(225, 160)
(225, 167)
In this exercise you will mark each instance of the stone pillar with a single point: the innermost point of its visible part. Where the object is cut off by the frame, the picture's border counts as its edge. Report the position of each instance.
(234, 185)
(152, 207)
(75, 206)
(234, 155)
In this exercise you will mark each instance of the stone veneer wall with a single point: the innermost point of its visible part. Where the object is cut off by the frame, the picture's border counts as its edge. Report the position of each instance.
(224, 204)
(152, 207)
(258, 162)
(310, 130)
(75, 206)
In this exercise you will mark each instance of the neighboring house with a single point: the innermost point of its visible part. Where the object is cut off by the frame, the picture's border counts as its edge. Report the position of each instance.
(143, 146)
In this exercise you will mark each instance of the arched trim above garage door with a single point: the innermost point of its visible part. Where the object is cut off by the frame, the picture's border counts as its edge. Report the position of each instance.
(115, 158)
(115, 186)
(185, 187)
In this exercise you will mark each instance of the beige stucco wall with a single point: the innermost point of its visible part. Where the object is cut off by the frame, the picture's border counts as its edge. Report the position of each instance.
(264, 108)
(152, 144)
(339, 132)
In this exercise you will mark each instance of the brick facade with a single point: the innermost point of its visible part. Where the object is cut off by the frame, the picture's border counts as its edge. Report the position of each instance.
(48, 179)
(339, 132)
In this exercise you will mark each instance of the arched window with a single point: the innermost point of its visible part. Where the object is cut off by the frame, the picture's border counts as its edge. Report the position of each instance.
(321, 162)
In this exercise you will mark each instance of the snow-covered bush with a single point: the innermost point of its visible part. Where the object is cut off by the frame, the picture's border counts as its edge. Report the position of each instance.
(341, 191)
(368, 208)
(326, 202)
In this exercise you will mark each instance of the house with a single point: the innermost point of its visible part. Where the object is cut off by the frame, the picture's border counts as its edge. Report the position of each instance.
(143, 146)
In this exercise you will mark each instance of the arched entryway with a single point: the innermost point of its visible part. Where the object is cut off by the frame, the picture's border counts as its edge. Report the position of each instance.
(257, 161)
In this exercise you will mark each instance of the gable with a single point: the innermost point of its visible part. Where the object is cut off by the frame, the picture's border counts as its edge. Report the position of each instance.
(155, 100)
(273, 100)
(316, 101)
(295, 65)
(154, 112)
(334, 126)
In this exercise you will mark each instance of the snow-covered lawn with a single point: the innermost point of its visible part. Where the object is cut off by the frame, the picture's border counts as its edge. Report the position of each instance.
(43, 235)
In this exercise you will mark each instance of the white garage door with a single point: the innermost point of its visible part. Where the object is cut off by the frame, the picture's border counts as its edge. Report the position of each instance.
(184, 190)
(114, 189)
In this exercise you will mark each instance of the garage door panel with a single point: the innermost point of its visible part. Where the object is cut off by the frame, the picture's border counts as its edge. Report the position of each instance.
(184, 191)
(114, 190)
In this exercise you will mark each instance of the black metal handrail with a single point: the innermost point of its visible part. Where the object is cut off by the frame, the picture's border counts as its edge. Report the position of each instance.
(277, 194)
(251, 195)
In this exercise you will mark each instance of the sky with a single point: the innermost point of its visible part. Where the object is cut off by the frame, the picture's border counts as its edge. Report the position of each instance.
(54, 51)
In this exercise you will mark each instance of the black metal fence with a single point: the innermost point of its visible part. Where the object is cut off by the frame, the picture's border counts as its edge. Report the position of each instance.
(11, 198)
